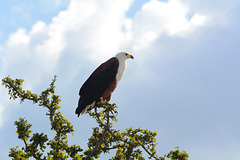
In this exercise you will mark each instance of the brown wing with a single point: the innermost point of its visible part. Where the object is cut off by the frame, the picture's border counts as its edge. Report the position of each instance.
(97, 83)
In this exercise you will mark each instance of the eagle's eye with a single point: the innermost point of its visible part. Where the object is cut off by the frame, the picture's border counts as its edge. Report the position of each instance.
(126, 54)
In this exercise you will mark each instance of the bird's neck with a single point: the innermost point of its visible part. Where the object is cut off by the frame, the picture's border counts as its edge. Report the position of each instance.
(121, 69)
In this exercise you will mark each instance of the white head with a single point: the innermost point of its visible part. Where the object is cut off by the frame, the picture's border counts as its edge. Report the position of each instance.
(122, 57)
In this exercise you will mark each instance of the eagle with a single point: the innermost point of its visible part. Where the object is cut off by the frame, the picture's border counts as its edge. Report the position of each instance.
(102, 82)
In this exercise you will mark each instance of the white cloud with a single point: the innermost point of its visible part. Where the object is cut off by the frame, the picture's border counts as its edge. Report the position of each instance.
(20, 38)
(91, 31)
(158, 17)
(197, 20)
(219, 12)
(89, 26)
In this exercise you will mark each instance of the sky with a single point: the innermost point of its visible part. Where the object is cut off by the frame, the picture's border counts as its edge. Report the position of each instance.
(183, 82)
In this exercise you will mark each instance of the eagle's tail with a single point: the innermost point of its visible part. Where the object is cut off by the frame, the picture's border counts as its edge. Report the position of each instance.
(79, 108)
(82, 107)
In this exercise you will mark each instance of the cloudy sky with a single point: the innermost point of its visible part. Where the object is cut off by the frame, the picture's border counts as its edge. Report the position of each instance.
(184, 82)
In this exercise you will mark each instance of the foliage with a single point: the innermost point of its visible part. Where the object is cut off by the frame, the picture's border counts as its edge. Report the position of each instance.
(129, 144)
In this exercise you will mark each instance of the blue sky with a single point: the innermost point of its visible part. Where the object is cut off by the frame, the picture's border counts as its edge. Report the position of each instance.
(183, 82)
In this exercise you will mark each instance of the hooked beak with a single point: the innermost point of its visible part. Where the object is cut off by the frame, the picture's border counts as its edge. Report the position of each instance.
(130, 56)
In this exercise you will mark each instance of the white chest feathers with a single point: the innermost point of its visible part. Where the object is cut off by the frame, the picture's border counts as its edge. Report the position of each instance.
(121, 68)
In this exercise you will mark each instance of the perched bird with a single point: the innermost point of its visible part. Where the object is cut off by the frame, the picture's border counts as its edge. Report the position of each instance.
(102, 82)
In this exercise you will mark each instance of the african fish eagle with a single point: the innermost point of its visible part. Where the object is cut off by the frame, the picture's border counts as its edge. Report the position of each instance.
(102, 82)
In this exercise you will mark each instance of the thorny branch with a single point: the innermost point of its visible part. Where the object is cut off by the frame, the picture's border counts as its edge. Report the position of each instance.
(104, 137)
(106, 126)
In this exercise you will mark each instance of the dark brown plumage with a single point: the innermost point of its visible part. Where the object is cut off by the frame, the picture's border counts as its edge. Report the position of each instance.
(102, 82)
